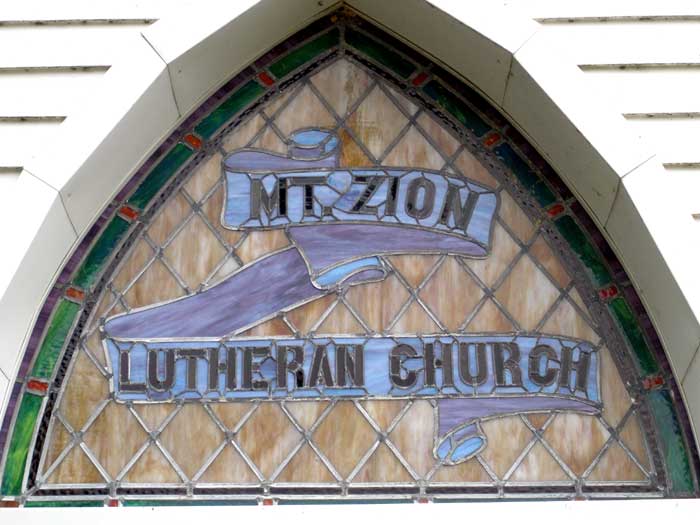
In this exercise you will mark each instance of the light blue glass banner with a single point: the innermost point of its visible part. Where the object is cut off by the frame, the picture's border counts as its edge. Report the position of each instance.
(268, 190)
(470, 378)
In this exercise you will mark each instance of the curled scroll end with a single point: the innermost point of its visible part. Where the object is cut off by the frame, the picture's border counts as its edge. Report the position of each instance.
(360, 271)
(313, 144)
(460, 444)
(309, 150)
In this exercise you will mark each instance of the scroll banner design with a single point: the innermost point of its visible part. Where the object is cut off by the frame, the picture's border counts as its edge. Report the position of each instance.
(341, 223)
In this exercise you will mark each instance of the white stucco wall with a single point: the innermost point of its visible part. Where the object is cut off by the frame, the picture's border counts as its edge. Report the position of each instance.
(606, 90)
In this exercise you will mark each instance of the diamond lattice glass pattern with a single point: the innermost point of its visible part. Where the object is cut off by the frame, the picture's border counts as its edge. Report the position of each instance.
(342, 445)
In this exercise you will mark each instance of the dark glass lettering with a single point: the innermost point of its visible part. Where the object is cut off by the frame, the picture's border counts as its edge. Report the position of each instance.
(320, 373)
(501, 364)
(228, 368)
(191, 355)
(213, 369)
(293, 367)
(465, 361)
(392, 195)
(395, 361)
(347, 364)
(125, 384)
(259, 198)
(252, 366)
(308, 184)
(373, 183)
(426, 207)
(536, 356)
(453, 205)
(581, 367)
(161, 385)
(432, 363)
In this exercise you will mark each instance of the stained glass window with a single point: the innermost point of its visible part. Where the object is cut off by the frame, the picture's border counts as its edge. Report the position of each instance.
(345, 276)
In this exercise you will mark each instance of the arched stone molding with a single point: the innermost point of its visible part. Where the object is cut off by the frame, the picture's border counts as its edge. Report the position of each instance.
(177, 63)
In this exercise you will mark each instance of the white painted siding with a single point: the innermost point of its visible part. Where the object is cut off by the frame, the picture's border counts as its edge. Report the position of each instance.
(61, 44)
(44, 93)
(643, 58)
(54, 56)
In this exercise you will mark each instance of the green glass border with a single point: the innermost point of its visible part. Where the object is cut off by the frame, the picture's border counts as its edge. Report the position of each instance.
(160, 174)
(672, 442)
(100, 252)
(379, 53)
(18, 452)
(227, 109)
(640, 350)
(587, 254)
(305, 53)
(187, 503)
(55, 338)
(65, 503)
(527, 177)
(457, 107)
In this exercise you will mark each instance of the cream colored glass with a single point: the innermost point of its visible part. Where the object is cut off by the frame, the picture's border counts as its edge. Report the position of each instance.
(521, 285)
